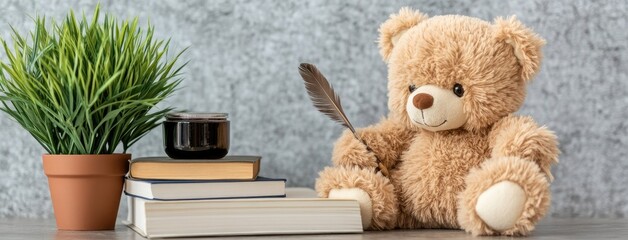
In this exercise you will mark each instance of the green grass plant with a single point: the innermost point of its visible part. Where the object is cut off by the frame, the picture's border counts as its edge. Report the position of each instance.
(86, 86)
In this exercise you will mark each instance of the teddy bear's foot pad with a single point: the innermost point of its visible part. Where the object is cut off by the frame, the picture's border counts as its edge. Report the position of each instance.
(363, 199)
(501, 205)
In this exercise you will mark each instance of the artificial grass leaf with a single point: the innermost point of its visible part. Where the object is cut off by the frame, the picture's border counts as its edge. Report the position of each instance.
(85, 86)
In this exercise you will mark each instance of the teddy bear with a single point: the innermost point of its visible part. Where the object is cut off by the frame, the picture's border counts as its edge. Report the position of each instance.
(458, 157)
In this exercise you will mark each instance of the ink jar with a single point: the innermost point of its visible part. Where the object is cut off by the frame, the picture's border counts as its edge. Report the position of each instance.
(196, 135)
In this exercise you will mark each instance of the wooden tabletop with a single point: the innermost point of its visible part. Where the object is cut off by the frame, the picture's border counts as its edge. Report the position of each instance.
(548, 229)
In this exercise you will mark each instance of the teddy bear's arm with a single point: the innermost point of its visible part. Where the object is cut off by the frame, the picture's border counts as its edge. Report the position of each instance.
(387, 139)
(521, 137)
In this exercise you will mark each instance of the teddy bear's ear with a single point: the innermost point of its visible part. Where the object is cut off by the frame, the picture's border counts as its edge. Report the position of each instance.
(391, 30)
(526, 44)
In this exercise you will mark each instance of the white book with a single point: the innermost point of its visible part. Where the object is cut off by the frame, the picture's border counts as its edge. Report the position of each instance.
(300, 212)
(204, 189)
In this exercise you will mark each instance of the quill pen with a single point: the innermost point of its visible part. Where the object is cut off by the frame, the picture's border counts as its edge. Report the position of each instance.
(327, 101)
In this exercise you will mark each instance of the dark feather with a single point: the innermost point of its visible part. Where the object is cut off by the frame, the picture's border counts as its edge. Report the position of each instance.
(323, 96)
(327, 101)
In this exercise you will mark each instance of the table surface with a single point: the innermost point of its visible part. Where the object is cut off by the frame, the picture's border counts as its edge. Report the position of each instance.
(20, 228)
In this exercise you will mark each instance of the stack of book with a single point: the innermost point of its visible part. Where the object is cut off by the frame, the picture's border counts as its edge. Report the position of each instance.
(181, 198)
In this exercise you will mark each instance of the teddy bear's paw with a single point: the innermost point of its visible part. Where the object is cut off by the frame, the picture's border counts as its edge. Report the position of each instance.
(363, 198)
(501, 205)
(348, 151)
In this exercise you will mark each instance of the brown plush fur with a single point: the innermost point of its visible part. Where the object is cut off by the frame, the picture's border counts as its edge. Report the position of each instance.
(520, 136)
(437, 177)
(396, 24)
(388, 136)
(527, 44)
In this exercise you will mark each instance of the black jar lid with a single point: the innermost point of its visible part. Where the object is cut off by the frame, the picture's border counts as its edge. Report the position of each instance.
(185, 116)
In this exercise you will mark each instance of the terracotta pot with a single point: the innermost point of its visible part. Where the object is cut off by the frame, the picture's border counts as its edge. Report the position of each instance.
(86, 189)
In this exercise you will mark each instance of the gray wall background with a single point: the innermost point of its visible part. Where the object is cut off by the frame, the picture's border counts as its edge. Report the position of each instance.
(244, 57)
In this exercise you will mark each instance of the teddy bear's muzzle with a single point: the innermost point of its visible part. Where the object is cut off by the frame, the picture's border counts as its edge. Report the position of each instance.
(435, 109)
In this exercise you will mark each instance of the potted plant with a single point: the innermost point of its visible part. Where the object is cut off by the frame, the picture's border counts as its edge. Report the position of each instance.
(84, 88)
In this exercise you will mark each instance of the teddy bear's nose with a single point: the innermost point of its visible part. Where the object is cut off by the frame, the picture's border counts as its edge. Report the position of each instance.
(423, 101)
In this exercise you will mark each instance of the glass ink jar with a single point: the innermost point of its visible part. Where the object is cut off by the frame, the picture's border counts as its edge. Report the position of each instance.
(196, 135)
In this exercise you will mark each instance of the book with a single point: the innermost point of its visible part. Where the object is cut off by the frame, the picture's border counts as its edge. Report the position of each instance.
(204, 189)
(301, 212)
(164, 168)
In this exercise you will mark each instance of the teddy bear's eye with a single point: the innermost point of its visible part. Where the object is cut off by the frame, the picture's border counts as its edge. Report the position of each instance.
(458, 90)
(411, 88)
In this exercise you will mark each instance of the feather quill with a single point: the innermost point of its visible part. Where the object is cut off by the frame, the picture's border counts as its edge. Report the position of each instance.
(323, 95)
(327, 101)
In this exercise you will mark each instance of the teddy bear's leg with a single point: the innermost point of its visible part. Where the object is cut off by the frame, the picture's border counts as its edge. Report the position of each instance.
(503, 196)
(374, 192)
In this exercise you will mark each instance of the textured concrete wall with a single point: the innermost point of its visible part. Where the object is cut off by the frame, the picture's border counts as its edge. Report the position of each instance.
(243, 59)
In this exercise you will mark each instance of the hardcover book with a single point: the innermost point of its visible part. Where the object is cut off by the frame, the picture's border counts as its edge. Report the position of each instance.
(164, 168)
(204, 189)
(301, 212)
